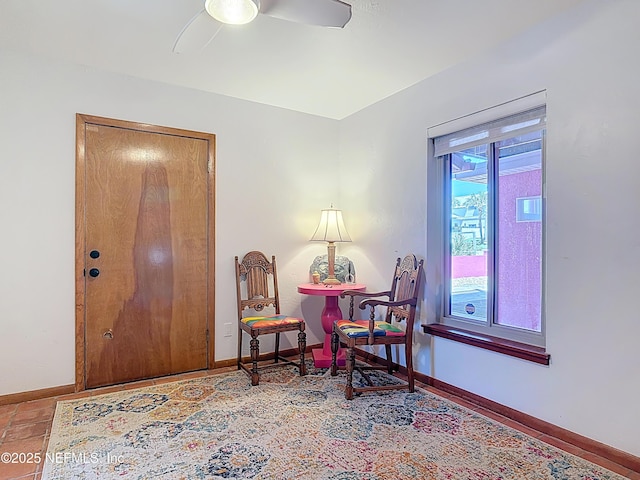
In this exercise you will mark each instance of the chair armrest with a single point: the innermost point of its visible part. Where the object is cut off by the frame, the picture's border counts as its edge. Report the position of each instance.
(358, 293)
(373, 303)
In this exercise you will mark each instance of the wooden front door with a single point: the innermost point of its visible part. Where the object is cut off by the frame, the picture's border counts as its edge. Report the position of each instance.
(144, 252)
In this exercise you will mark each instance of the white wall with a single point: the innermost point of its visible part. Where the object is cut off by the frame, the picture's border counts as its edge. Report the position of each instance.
(589, 64)
(292, 155)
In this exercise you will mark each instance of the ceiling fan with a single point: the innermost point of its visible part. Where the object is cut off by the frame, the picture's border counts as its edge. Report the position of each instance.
(206, 24)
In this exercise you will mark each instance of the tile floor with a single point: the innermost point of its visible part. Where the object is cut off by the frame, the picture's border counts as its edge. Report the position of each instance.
(25, 428)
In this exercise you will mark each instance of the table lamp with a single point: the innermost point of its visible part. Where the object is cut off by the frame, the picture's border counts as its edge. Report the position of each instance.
(331, 229)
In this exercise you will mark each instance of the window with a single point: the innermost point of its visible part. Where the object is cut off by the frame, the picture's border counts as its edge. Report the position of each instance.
(493, 227)
(529, 209)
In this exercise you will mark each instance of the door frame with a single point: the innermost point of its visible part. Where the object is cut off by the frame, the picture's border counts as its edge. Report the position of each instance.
(82, 120)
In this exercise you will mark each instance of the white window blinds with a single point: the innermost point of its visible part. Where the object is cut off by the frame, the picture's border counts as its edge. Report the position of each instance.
(512, 126)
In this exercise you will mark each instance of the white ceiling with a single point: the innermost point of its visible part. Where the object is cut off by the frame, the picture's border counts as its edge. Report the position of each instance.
(387, 46)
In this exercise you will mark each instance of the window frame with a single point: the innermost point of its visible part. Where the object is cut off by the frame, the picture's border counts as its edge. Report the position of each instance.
(507, 339)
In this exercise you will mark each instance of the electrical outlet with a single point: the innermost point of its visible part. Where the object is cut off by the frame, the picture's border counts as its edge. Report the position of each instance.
(227, 330)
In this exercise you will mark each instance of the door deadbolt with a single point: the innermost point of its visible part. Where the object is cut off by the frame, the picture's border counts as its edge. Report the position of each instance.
(108, 334)
(94, 254)
(94, 272)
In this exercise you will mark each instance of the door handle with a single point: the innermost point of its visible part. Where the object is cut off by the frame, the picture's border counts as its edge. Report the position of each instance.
(94, 272)
(108, 334)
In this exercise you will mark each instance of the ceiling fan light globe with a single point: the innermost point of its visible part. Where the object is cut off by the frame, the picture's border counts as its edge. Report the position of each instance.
(233, 12)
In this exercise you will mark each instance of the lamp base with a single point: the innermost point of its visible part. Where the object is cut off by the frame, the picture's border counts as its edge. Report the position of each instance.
(331, 257)
(331, 281)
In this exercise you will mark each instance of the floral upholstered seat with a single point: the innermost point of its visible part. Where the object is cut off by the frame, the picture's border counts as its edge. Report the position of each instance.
(360, 328)
(270, 321)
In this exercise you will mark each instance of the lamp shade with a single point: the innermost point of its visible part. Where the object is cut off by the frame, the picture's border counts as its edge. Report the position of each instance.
(234, 12)
(331, 227)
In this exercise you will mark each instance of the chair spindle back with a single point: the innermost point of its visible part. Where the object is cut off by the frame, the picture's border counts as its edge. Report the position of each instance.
(259, 274)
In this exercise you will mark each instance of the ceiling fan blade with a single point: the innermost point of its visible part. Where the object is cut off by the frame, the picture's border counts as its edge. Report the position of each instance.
(325, 13)
(197, 33)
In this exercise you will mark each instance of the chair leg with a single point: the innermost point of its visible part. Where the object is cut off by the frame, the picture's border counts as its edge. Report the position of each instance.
(387, 349)
(409, 359)
(239, 347)
(255, 352)
(335, 343)
(277, 352)
(350, 364)
(302, 346)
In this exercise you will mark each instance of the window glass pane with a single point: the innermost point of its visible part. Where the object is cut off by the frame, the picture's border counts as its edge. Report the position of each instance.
(468, 253)
(519, 232)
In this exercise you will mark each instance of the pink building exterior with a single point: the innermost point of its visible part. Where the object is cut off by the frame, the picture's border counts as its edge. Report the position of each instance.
(519, 254)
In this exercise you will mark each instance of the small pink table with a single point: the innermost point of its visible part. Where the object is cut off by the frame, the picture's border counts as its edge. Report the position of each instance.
(330, 313)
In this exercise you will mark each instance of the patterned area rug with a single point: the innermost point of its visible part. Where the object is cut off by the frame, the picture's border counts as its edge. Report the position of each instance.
(290, 427)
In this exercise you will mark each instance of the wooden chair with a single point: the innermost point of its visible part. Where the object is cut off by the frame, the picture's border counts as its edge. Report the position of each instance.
(401, 305)
(255, 277)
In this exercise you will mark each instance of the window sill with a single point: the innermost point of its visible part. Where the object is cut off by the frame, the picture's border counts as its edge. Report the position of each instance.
(495, 344)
